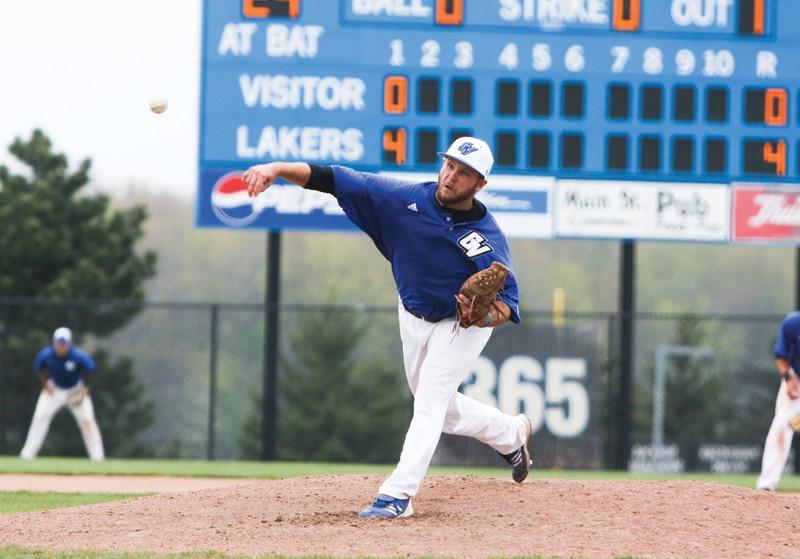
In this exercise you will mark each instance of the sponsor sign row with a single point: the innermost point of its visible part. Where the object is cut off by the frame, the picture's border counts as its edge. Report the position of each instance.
(544, 207)
(702, 457)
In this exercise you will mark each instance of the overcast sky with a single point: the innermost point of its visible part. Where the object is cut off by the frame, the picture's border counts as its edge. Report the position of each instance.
(83, 70)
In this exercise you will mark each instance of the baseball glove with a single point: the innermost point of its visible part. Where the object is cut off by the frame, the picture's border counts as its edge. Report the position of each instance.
(480, 290)
(794, 422)
(77, 397)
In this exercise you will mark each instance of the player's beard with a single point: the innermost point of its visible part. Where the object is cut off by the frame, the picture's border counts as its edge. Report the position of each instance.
(451, 198)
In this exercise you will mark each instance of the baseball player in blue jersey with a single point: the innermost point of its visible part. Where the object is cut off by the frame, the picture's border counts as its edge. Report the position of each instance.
(787, 404)
(63, 370)
(435, 235)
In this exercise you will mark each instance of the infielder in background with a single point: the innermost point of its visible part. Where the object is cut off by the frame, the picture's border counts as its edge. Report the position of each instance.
(435, 235)
(63, 370)
(787, 404)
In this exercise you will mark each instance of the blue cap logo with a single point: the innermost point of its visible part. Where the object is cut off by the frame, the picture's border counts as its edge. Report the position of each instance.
(466, 148)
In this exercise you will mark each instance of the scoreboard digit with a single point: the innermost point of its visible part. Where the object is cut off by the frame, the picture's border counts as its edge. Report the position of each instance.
(751, 17)
(271, 8)
(626, 15)
(765, 157)
(394, 146)
(395, 95)
(449, 12)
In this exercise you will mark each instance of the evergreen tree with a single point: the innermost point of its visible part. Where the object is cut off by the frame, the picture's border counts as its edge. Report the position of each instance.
(59, 244)
(248, 441)
(338, 403)
(699, 407)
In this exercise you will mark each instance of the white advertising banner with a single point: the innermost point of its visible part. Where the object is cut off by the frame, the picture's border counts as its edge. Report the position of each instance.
(521, 205)
(642, 210)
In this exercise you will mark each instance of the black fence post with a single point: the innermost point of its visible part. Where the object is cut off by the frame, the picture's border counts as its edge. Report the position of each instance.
(269, 411)
(611, 408)
(212, 381)
(626, 307)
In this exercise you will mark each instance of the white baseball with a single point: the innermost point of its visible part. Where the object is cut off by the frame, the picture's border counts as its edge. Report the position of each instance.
(157, 104)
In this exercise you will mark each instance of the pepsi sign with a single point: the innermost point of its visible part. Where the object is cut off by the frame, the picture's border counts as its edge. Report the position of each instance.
(224, 202)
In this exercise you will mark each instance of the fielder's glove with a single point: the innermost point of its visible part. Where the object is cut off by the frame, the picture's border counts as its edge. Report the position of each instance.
(77, 397)
(481, 290)
(794, 423)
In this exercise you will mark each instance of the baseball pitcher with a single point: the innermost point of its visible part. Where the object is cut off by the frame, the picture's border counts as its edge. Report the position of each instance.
(63, 371)
(787, 404)
(453, 271)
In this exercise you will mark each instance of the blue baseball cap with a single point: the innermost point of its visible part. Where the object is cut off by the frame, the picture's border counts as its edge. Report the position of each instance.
(63, 335)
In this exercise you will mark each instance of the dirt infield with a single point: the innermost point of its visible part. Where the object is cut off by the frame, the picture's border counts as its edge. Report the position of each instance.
(456, 517)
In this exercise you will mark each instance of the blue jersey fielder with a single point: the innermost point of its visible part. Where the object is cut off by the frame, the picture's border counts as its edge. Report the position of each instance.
(786, 345)
(61, 368)
(431, 255)
(787, 404)
(65, 371)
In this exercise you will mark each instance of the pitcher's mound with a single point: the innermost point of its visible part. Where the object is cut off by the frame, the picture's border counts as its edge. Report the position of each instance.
(455, 517)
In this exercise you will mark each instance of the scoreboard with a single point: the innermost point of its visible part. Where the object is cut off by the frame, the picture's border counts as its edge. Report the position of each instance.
(674, 95)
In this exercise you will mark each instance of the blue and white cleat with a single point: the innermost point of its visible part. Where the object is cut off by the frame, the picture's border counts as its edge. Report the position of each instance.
(520, 460)
(388, 507)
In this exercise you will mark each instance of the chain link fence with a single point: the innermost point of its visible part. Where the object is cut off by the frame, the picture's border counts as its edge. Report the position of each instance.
(703, 385)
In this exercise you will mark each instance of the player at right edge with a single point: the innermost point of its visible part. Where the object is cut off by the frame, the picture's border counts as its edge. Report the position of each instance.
(787, 404)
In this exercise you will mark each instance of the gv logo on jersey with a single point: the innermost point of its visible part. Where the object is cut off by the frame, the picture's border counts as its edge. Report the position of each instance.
(466, 148)
(474, 244)
(70, 366)
(230, 201)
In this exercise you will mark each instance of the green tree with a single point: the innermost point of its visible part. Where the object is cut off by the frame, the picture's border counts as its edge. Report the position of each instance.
(248, 440)
(699, 407)
(59, 244)
(339, 402)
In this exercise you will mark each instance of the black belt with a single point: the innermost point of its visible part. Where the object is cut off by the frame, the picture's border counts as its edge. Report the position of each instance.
(416, 314)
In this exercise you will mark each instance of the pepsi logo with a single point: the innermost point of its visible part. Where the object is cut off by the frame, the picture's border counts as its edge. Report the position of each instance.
(230, 201)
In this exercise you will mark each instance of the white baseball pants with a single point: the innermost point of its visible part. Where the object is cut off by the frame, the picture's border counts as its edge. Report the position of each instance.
(779, 440)
(47, 406)
(436, 364)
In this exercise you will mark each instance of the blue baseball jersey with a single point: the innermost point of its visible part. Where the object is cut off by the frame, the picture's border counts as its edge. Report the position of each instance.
(431, 256)
(64, 371)
(786, 345)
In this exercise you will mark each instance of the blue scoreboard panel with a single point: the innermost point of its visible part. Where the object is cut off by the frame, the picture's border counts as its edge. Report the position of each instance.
(694, 91)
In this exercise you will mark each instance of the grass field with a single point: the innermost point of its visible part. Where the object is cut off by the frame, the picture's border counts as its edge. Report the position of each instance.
(27, 501)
